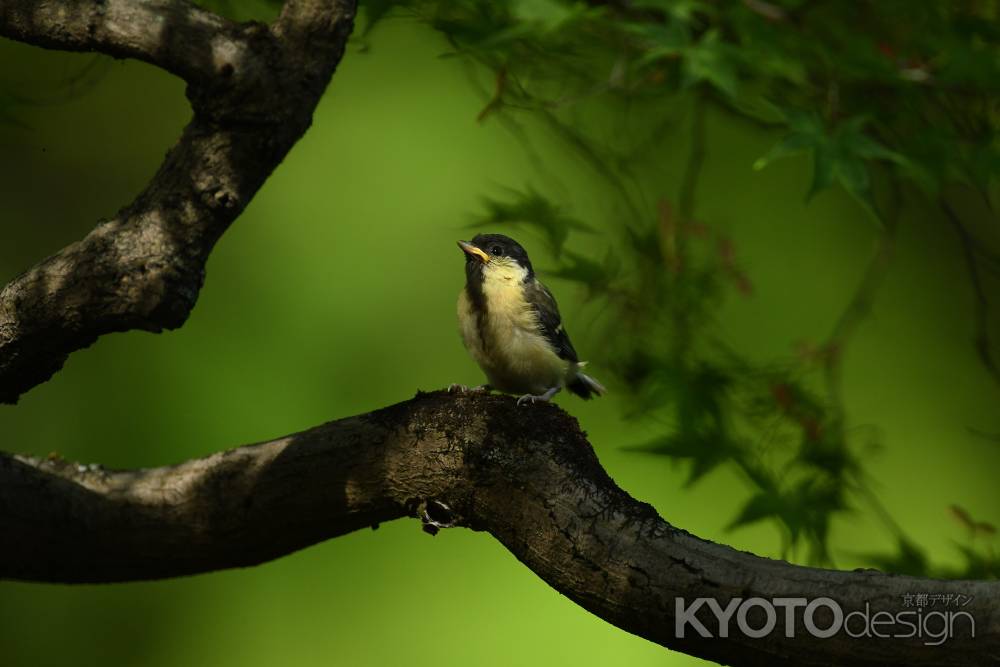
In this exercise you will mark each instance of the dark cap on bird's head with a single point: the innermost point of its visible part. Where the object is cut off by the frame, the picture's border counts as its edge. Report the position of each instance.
(486, 248)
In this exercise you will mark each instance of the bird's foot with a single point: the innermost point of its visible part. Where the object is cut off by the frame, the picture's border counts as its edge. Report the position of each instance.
(539, 398)
(435, 516)
(465, 389)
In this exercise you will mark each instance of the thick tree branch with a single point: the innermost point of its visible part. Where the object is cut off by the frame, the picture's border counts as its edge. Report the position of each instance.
(527, 476)
(253, 91)
(173, 34)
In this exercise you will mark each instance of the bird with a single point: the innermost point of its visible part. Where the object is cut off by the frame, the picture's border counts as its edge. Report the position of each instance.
(510, 324)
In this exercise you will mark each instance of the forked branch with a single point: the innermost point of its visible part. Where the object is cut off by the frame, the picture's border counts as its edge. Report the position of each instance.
(252, 88)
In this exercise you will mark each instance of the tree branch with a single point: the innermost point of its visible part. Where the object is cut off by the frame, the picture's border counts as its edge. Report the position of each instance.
(173, 34)
(527, 476)
(253, 92)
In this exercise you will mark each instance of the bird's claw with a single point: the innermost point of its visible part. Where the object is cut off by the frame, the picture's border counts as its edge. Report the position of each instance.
(539, 398)
(435, 516)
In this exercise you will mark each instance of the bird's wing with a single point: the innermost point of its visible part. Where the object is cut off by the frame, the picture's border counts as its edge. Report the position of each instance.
(549, 321)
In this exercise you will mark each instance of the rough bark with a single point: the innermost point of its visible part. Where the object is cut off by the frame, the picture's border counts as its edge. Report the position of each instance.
(527, 476)
(172, 34)
(253, 89)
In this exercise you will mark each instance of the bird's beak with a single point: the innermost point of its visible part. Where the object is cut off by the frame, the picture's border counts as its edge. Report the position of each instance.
(473, 251)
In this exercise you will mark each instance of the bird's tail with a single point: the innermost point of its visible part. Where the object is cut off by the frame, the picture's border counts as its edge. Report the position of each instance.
(585, 386)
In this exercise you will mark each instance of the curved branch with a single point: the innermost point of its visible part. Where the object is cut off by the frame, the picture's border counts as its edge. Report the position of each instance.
(527, 476)
(253, 91)
(173, 34)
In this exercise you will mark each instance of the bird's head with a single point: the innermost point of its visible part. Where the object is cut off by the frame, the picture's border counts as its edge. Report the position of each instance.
(495, 256)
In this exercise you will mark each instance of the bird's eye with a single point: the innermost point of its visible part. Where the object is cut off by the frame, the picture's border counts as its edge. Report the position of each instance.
(496, 250)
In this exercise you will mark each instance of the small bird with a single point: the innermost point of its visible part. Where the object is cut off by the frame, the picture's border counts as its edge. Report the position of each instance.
(511, 326)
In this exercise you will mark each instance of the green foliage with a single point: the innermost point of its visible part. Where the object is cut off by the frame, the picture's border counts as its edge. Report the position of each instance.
(528, 208)
(842, 155)
(908, 559)
(979, 556)
(596, 277)
(882, 97)
(888, 86)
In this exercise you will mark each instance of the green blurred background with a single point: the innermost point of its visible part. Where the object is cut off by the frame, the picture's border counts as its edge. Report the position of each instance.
(334, 294)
